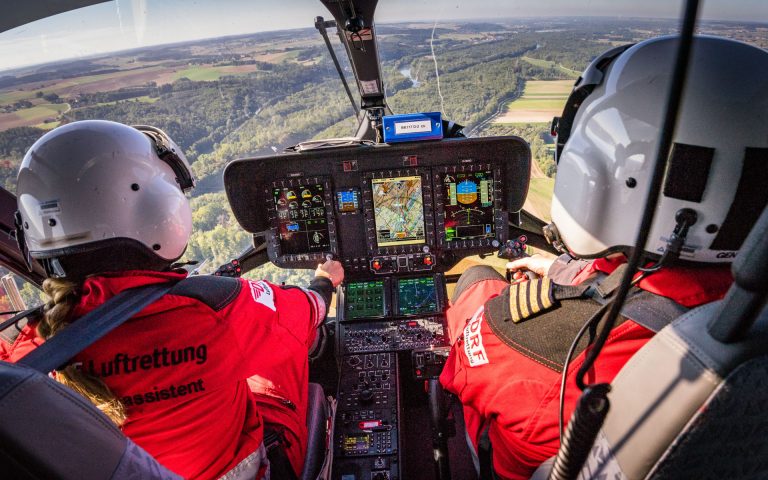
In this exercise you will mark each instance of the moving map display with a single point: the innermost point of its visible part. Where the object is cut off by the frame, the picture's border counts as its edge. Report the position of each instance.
(416, 296)
(301, 219)
(398, 210)
(469, 205)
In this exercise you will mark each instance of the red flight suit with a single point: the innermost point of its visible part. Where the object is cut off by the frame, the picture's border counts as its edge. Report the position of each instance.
(517, 396)
(199, 382)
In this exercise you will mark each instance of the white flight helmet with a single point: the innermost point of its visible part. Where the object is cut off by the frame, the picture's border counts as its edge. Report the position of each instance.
(609, 135)
(98, 196)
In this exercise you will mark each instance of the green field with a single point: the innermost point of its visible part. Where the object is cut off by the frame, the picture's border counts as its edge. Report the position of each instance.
(42, 111)
(142, 99)
(541, 100)
(47, 126)
(539, 199)
(30, 116)
(555, 87)
(207, 73)
(200, 74)
(533, 103)
(15, 96)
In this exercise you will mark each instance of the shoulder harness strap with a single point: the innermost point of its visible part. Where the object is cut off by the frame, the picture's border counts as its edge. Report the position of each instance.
(216, 292)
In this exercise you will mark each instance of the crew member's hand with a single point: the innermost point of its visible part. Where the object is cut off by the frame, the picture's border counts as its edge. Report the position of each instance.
(536, 263)
(332, 270)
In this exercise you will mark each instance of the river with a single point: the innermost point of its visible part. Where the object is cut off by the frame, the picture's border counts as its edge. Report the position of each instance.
(406, 72)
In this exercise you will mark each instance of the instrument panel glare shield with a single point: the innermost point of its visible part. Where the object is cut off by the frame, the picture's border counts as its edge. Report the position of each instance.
(427, 228)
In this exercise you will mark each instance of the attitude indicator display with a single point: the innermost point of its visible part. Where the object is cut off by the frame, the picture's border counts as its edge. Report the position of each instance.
(348, 200)
(416, 296)
(398, 209)
(302, 222)
(469, 205)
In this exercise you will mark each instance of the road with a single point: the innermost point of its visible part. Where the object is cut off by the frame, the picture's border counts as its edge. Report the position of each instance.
(499, 108)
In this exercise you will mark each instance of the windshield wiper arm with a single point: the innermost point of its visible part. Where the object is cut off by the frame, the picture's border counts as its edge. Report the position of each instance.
(321, 25)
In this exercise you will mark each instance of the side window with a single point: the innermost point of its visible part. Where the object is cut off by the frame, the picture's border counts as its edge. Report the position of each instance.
(16, 294)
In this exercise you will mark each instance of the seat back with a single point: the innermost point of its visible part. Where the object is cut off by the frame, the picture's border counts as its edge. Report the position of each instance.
(48, 431)
(675, 403)
(318, 416)
(690, 403)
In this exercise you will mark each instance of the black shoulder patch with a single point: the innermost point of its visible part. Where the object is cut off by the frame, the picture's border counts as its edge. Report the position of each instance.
(216, 292)
(523, 300)
(547, 337)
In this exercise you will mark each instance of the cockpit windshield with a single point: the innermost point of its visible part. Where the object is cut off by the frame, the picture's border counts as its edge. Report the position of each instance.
(231, 79)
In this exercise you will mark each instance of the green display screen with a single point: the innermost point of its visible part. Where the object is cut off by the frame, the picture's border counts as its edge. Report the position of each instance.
(365, 299)
(416, 296)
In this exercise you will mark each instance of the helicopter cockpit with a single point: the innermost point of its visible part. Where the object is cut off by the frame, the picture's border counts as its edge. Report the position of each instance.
(406, 205)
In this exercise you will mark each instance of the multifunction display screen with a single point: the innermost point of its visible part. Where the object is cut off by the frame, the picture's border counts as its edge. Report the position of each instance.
(416, 296)
(301, 219)
(468, 207)
(365, 299)
(398, 210)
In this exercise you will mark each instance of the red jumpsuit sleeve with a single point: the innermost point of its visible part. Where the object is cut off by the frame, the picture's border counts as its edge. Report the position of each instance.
(24, 343)
(265, 316)
(5, 350)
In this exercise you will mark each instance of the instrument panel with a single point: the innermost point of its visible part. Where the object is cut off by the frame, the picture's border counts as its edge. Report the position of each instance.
(383, 210)
(397, 217)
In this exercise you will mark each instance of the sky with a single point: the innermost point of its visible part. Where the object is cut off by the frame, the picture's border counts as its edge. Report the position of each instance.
(124, 24)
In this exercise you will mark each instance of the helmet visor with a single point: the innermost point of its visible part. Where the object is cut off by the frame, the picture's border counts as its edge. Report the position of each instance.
(171, 154)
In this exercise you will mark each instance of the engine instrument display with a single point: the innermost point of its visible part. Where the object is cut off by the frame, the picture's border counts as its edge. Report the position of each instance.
(416, 296)
(469, 205)
(302, 222)
(398, 209)
(365, 299)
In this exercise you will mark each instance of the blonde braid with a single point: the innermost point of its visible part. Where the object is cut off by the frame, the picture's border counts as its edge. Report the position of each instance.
(62, 298)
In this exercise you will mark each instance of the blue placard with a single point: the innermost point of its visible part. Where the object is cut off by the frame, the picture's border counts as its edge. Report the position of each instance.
(412, 127)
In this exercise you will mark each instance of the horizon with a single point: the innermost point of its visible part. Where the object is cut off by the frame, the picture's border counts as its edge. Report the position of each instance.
(31, 41)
